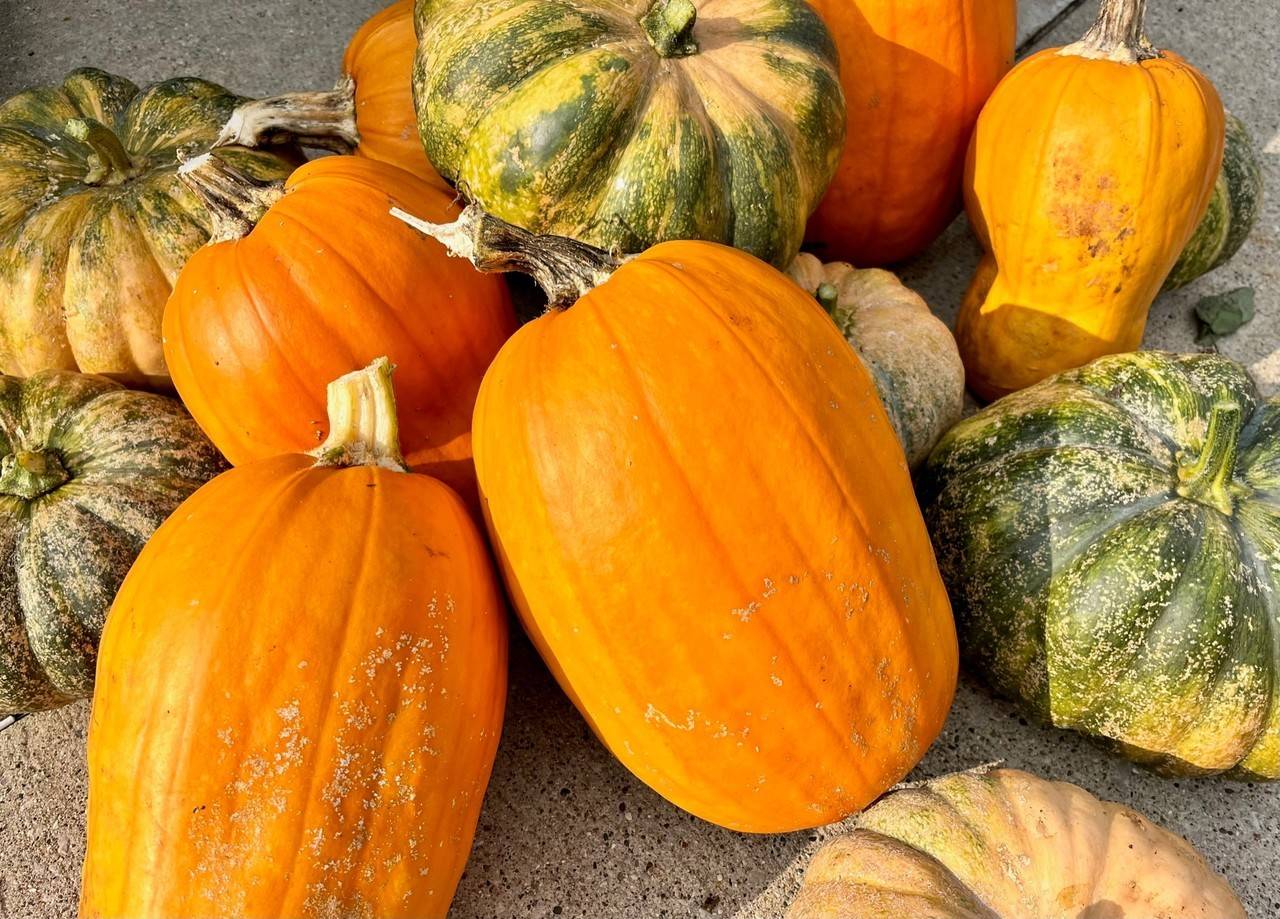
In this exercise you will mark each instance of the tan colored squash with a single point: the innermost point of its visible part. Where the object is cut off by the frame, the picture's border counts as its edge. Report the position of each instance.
(1003, 844)
(910, 352)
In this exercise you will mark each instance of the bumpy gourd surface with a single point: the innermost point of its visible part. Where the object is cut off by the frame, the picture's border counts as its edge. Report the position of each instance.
(1007, 845)
(89, 245)
(88, 471)
(561, 116)
(1097, 583)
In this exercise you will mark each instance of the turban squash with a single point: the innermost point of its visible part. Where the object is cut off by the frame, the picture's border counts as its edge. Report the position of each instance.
(94, 224)
(369, 112)
(300, 691)
(915, 75)
(1003, 844)
(626, 124)
(706, 524)
(909, 351)
(88, 470)
(1089, 171)
(305, 280)
(1111, 541)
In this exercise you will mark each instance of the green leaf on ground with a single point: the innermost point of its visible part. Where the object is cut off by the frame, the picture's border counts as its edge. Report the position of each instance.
(1221, 314)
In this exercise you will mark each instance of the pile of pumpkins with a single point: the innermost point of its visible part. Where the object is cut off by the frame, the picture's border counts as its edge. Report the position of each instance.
(695, 467)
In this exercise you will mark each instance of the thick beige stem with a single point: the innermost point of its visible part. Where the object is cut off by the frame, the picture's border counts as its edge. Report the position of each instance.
(321, 120)
(1118, 34)
(235, 201)
(363, 427)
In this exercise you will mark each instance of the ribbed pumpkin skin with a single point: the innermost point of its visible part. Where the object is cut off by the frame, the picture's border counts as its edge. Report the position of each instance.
(559, 116)
(1007, 845)
(915, 76)
(85, 268)
(379, 59)
(706, 524)
(113, 465)
(325, 282)
(1233, 210)
(301, 693)
(1083, 209)
(1088, 587)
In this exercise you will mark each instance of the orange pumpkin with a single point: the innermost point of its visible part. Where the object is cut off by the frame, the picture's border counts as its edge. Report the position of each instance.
(369, 113)
(300, 691)
(1089, 171)
(264, 316)
(915, 75)
(706, 523)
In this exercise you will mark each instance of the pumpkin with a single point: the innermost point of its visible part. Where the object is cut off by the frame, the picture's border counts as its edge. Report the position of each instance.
(1111, 542)
(909, 351)
(915, 76)
(88, 470)
(1233, 210)
(623, 125)
(300, 691)
(1002, 844)
(369, 112)
(706, 524)
(1082, 199)
(94, 226)
(262, 317)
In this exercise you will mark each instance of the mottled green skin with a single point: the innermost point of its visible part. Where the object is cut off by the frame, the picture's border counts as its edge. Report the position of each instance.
(130, 458)
(561, 117)
(79, 248)
(1088, 588)
(1233, 210)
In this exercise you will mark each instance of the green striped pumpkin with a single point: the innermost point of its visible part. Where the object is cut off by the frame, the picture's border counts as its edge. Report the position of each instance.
(88, 470)
(1233, 210)
(623, 124)
(1110, 539)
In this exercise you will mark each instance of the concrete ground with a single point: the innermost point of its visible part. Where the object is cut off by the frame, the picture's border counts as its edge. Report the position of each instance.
(566, 831)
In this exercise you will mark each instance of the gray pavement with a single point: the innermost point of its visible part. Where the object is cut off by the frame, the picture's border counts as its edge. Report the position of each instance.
(566, 831)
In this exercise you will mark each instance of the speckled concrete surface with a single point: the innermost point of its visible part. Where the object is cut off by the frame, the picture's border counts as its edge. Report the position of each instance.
(566, 831)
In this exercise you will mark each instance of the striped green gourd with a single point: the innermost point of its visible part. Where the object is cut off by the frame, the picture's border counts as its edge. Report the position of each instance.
(1233, 210)
(88, 470)
(623, 124)
(1110, 538)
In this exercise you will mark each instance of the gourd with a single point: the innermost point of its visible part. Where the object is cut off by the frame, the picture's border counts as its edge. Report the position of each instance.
(369, 112)
(1111, 541)
(94, 225)
(1233, 210)
(909, 351)
(706, 524)
(624, 125)
(303, 281)
(300, 691)
(1082, 200)
(88, 470)
(1003, 844)
(915, 75)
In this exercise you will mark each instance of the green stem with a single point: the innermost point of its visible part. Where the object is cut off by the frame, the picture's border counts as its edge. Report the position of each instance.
(828, 295)
(363, 427)
(109, 163)
(1118, 34)
(235, 201)
(669, 27)
(1210, 478)
(28, 474)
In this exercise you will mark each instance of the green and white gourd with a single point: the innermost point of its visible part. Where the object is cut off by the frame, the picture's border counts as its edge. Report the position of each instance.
(1233, 210)
(624, 124)
(1110, 538)
(88, 470)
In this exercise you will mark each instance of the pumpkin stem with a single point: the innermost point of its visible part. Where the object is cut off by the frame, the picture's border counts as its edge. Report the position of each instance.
(363, 427)
(828, 295)
(235, 201)
(1118, 34)
(564, 268)
(109, 164)
(321, 120)
(669, 27)
(28, 474)
(1210, 478)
